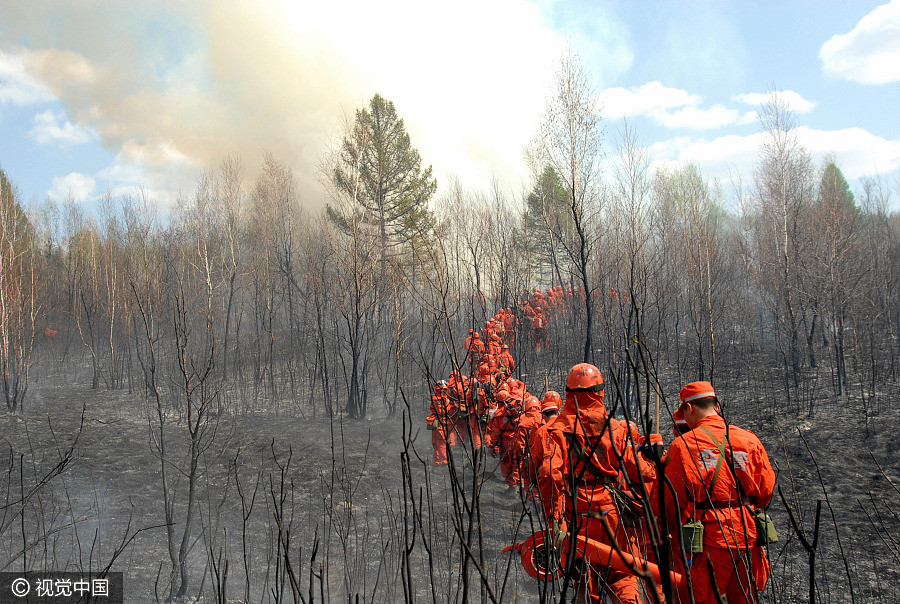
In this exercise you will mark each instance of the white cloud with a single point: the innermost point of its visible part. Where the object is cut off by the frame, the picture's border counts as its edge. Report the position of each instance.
(870, 52)
(717, 157)
(468, 115)
(16, 86)
(793, 100)
(750, 117)
(647, 98)
(694, 118)
(857, 152)
(76, 186)
(668, 107)
(52, 128)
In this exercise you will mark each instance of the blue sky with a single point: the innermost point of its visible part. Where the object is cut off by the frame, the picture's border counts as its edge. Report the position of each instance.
(114, 96)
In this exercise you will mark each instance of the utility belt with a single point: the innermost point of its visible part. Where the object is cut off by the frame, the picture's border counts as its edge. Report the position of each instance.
(692, 531)
(722, 505)
(601, 480)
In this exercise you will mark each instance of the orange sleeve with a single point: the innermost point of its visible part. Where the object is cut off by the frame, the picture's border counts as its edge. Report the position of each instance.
(764, 476)
(676, 495)
(551, 479)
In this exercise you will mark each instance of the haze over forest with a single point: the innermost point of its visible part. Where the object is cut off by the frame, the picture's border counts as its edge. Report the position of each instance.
(251, 273)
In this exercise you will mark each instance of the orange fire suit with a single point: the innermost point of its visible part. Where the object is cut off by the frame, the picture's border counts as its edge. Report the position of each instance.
(506, 362)
(582, 480)
(539, 329)
(441, 423)
(516, 388)
(474, 349)
(493, 345)
(729, 539)
(498, 328)
(529, 424)
(500, 439)
(483, 372)
(462, 393)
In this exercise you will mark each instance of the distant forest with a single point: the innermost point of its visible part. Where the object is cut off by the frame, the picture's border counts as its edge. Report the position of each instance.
(340, 310)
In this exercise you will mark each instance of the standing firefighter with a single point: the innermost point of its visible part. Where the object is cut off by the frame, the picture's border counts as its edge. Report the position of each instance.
(539, 329)
(474, 348)
(505, 360)
(501, 435)
(539, 441)
(584, 481)
(529, 423)
(721, 476)
(441, 422)
(464, 397)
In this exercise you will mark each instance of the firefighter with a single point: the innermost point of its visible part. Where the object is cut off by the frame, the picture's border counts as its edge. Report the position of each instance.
(483, 371)
(550, 405)
(441, 422)
(505, 360)
(537, 445)
(499, 327)
(720, 476)
(493, 344)
(509, 326)
(474, 348)
(463, 394)
(539, 329)
(517, 388)
(500, 438)
(529, 422)
(584, 481)
(498, 383)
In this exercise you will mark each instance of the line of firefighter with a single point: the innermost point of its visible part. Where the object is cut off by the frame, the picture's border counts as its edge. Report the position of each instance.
(585, 467)
(467, 408)
(491, 403)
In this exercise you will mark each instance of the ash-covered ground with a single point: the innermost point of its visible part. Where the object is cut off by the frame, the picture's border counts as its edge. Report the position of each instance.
(363, 514)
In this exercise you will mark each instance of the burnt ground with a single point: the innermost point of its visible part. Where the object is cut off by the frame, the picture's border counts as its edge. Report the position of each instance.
(344, 497)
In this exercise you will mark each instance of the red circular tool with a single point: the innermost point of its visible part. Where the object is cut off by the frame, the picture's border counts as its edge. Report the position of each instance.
(539, 559)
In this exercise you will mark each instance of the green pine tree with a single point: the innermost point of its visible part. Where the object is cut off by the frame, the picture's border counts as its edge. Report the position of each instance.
(382, 173)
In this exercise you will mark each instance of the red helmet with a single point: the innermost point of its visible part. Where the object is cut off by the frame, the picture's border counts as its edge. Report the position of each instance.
(584, 377)
(514, 407)
(502, 396)
(551, 402)
(532, 402)
(442, 385)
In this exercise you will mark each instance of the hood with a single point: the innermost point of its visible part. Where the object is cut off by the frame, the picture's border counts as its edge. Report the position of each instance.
(590, 408)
